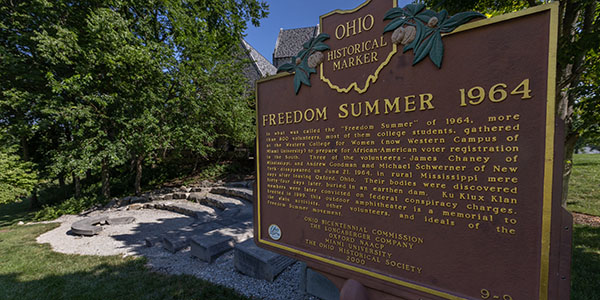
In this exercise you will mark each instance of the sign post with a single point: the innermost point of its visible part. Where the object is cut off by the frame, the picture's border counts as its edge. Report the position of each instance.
(418, 154)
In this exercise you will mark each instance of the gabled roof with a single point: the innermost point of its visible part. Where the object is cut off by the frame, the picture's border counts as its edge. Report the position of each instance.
(262, 65)
(289, 41)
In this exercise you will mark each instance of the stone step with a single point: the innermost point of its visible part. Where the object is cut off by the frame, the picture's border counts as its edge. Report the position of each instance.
(242, 193)
(159, 197)
(116, 202)
(175, 243)
(229, 216)
(175, 240)
(198, 189)
(120, 221)
(240, 184)
(181, 195)
(183, 207)
(209, 247)
(240, 232)
(205, 217)
(198, 196)
(153, 241)
(236, 215)
(259, 263)
(316, 284)
(246, 214)
(220, 202)
(242, 190)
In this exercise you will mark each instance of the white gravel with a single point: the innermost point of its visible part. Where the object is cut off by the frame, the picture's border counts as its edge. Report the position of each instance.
(129, 240)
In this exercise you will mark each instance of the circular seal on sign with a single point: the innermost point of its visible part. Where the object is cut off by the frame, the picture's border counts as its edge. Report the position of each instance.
(275, 232)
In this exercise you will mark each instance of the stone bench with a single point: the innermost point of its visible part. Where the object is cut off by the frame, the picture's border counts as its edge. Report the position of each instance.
(175, 240)
(120, 221)
(88, 226)
(316, 284)
(209, 247)
(259, 263)
(220, 202)
(242, 193)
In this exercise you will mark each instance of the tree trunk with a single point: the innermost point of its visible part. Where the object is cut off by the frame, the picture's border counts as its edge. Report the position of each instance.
(570, 142)
(105, 179)
(139, 162)
(196, 162)
(564, 107)
(61, 180)
(34, 204)
(25, 147)
(77, 186)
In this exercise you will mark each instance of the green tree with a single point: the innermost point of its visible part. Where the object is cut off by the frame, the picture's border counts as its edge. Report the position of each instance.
(586, 120)
(114, 80)
(17, 177)
(91, 86)
(578, 72)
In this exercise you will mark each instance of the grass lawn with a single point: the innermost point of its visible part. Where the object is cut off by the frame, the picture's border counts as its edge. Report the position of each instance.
(584, 185)
(584, 197)
(32, 271)
(585, 265)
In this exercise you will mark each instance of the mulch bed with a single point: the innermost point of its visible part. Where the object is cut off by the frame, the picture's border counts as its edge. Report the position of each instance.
(584, 219)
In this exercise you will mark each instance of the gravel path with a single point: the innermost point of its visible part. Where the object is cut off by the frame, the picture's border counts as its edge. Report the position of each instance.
(128, 240)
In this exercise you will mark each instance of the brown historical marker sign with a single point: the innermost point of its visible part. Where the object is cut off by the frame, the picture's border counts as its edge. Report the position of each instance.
(419, 154)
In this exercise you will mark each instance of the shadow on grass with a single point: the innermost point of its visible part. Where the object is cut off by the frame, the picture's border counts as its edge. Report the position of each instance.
(586, 163)
(12, 213)
(127, 280)
(29, 270)
(585, 277)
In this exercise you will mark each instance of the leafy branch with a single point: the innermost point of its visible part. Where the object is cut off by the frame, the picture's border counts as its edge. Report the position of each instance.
(429, 27)
(302, 64)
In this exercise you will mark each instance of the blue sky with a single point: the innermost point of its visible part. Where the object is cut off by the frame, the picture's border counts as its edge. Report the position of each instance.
(293, 14)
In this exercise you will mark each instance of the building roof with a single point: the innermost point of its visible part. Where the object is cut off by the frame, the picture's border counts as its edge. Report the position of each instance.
(289, 41)
(262, 65)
